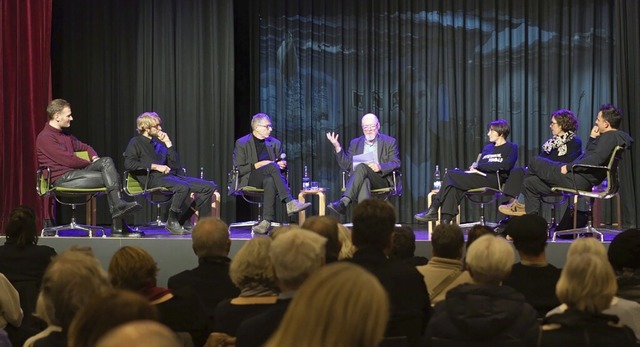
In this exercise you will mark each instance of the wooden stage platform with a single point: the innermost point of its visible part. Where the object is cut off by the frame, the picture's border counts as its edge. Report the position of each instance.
(174, 254)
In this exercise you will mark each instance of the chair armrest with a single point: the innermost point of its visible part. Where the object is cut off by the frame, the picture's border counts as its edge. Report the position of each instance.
(233, 180)
(43, 184)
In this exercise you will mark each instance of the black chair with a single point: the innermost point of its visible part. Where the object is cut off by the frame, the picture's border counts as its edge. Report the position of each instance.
(134, 188)
(608, 192)
(483, 196)
(384, 193)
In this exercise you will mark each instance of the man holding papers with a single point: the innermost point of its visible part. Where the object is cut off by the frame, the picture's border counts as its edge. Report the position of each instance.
(499, 155)
(371, 158)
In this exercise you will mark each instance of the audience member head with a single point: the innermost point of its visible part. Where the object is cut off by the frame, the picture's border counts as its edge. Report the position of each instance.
(587, 283)
(490, 259)
(258, 119)
(611, 115)
(501, 127)
(251, 267)
(447, 241)
(71, 281)
(210, 238)
(476, 231)
(21, 228)
(586, 245)
(529, 234)
(146, 121)
(403, 243)
(56, 106)
(295, 255)
(106, 312)
(280, 229)
(373, 223)
(624, 250)
(347, 249)
(327, 227)
(140, 333)
(566, 119)
(344, 285)
(133, 268)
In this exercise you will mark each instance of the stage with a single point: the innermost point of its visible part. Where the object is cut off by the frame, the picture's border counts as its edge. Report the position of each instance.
(173, 253)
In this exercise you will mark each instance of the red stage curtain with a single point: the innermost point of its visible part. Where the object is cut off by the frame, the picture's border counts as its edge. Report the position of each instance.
(25, 89)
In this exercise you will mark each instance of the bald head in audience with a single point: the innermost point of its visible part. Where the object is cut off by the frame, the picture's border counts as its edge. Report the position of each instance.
(140, 333)
(210, 238)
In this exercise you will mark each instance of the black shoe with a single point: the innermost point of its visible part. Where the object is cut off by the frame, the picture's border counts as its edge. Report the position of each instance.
(337, 207)
(173, 226)
(121, 229)
(430, 215)
(125, 208)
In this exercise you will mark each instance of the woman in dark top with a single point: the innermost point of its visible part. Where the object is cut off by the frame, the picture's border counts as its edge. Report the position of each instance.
(24, 262)
(499, 155)
(564, 146)
(252, 272)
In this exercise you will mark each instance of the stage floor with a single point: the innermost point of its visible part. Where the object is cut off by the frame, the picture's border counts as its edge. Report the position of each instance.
(173, 253)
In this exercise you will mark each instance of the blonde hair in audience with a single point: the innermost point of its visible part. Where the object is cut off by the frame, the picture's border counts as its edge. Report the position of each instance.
(340, 305)
(587, 283)
(251, 266)
(295, 255)
(347, 250)
(586, 245)
(489, 259)
(133, 268)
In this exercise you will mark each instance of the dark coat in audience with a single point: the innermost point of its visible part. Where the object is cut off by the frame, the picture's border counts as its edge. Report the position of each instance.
(537, 284)
(629, 284)
(577, 328)
(210, 281)
(478, 313)
(256, 331)
(228, 316)
(408, 295)
(183, 313)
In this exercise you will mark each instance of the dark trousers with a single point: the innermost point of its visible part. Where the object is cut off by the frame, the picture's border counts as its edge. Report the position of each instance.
(363, 179)
(271, 179)
(544, 174)
(100, 173)
(182, 187)
(455, 184)
(513, 186)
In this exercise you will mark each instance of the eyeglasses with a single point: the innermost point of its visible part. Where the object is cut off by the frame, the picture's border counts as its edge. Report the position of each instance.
(155, 126)
(554, 123)
(267, 126)
(370, 127)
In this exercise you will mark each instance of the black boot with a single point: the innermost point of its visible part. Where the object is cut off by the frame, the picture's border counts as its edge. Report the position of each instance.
(120, 229)
(173, 225)
(120, 208)
(187, 214)
(431, 214)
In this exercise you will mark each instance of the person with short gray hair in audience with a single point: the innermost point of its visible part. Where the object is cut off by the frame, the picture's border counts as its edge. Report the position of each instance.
(295, 254)
(327, 227)
(140, 333)
(533, 276)
(210, 280)
(445, 270)
(484, 310)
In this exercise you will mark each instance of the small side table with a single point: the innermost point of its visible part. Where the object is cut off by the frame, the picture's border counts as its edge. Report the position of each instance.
(322, 199)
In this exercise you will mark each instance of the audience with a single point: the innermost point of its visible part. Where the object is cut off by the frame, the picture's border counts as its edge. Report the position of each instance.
(72, 280)
(347, 249)
(475, 232)
(403, 246)
(483, 311)
(140, 333)
(445, 270)
(317, 316)
(24, 262)
(133, 268)
(210, 279)
(624, 256)
(627, 311)
(252, 272)
(327, 227)
(10, 311)
(587, 286)
(105, 312)
(373, 223)
(533, 276)
(295, 255)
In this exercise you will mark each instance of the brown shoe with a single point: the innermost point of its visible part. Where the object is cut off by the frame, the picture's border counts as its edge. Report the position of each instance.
(513, 208)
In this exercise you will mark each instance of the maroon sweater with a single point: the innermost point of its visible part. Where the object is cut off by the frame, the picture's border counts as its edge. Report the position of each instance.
(55, 149)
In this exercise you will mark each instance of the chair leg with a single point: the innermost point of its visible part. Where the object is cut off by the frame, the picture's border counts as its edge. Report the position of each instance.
(73, 225)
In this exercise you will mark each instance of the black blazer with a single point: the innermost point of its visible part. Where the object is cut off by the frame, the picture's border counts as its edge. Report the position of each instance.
(244, 156)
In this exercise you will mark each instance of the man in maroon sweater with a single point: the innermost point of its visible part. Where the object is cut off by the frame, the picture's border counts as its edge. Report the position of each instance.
(55, 149)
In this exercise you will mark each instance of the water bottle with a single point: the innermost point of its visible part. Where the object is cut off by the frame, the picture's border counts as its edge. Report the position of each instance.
(437, 181)
(306, 181)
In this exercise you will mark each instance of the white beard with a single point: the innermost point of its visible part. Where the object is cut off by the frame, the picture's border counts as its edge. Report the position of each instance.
(370, 137)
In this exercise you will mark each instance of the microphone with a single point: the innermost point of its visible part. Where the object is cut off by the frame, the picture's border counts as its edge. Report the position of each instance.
(283, 156)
